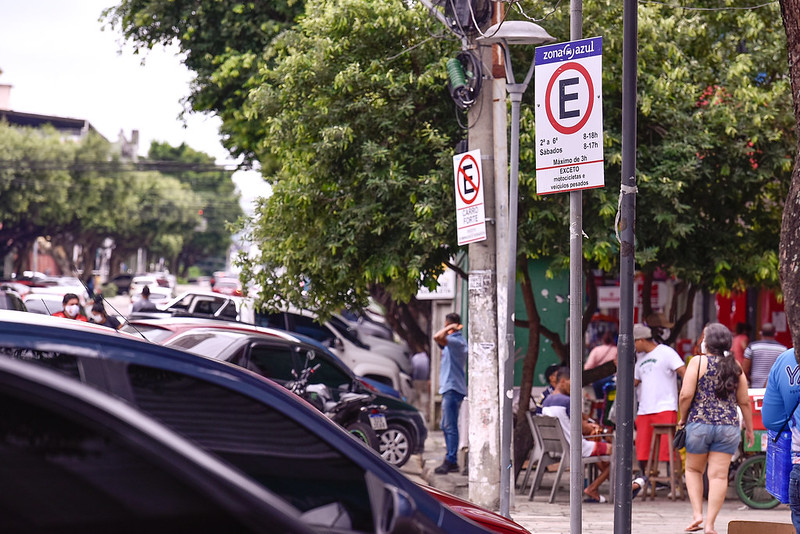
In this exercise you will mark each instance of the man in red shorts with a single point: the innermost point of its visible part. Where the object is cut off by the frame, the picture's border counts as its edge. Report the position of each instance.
(557, 405)
(655, 378)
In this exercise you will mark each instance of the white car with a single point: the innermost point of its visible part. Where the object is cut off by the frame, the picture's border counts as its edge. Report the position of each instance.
(138, 283)
(160, 296)
(60, 286)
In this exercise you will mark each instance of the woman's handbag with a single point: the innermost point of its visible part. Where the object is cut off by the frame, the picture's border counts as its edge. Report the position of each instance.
(679, 441)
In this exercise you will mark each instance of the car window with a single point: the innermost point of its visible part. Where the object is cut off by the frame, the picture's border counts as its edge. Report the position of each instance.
(347, 331)
(229, 312)
(263, 442)
(184, 303)
(13, 302)
(66, 363)
(275, 361)
(42, 306)
(271, 320)
(61, 473)
(309, 327)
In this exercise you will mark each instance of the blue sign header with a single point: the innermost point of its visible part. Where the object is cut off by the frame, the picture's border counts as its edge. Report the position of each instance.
(572, 50)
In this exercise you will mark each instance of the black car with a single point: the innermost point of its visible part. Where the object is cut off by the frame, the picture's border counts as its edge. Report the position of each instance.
(73, 459)
(254, 424)
(281, 356)
(123, 282)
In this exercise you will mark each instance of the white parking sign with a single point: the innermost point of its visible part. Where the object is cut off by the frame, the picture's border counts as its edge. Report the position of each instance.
(569, 116)
(470, 216)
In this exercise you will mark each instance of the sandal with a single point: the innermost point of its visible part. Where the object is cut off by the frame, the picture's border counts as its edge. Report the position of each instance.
(601, 499)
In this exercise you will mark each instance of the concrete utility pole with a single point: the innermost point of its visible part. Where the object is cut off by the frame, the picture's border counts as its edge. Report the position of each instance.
(484, 411)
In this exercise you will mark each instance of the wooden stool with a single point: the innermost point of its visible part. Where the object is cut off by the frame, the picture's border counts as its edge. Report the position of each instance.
(675, 472)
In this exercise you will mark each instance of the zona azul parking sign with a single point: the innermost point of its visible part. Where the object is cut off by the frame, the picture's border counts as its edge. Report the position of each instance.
(569, 116)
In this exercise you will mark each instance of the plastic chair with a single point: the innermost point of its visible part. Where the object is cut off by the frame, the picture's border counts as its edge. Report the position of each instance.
(555, 448)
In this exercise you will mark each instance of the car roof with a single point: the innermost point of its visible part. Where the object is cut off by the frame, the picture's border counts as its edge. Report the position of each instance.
(180, 324)
(267, 334)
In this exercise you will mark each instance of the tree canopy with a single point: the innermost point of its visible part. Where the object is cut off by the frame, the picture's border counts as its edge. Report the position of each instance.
(81, 193)
(349, 99)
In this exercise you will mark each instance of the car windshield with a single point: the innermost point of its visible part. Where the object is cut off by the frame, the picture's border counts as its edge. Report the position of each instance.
(347, 331)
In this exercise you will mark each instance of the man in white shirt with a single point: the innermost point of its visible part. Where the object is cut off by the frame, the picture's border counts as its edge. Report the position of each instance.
(656, 379)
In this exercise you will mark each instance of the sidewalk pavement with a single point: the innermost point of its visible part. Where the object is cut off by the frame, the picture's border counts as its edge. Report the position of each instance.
(659, 516)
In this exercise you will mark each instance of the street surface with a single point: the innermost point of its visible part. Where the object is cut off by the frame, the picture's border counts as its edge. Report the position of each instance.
(659, 516)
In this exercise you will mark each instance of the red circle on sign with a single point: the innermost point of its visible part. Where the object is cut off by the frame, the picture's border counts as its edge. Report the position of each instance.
(476, 186)
(566, 130)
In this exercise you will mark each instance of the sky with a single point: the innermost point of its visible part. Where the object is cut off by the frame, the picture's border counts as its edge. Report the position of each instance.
(61, 62)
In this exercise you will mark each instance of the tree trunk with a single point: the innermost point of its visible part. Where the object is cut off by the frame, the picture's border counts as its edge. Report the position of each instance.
(405, 318)
(523, 439)
(790, 228)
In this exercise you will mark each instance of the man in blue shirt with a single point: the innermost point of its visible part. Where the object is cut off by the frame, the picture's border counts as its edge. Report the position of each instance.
(779, 408)
(452, 386)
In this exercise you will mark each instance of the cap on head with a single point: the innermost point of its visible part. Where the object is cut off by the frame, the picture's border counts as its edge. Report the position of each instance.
(641, 331)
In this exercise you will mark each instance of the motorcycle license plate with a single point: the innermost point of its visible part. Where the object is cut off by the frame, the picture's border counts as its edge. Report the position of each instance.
(377, 421)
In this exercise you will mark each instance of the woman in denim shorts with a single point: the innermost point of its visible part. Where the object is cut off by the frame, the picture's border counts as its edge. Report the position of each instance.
(717, 384)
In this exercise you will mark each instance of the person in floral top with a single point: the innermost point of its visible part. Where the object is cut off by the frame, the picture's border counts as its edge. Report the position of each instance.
(712, 387)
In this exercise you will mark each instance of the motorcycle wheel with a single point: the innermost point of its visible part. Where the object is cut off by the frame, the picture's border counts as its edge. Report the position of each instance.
(364, 433)
(395, 444)
(750, 482)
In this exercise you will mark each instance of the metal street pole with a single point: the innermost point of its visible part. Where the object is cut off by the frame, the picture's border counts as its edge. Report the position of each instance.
(515, 92)
(623, 445)
(576, 321)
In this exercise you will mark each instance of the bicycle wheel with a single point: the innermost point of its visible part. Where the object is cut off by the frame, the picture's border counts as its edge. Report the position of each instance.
(750, 482)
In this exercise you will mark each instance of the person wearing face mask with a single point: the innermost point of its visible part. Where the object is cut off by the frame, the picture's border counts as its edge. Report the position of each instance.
(72, 308)
(100, 317)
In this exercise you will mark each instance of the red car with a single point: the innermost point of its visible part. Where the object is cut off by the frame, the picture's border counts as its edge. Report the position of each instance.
(486, 518)
(228, 286)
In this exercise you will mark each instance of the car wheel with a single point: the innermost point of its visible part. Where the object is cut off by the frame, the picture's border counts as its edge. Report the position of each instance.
(364, 433)
(395, 445)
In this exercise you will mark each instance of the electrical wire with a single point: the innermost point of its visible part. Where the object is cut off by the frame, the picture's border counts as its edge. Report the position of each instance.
(533, 19)
(113, 166)
(690, 8)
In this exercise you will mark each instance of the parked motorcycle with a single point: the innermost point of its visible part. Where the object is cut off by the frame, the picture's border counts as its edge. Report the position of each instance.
(355, 412)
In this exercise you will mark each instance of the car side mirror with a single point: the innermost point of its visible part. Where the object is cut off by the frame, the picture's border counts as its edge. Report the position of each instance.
(394, 511)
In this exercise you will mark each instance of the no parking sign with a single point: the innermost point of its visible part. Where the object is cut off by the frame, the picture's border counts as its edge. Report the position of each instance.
(470, 216)
(569, 116)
